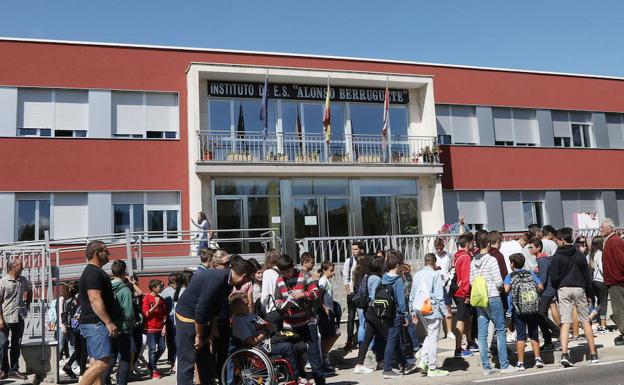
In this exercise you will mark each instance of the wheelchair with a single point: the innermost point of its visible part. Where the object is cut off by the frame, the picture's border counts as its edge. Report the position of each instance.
(252, 366)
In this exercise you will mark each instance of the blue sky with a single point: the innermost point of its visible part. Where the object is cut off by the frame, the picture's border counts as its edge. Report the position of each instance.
(550, 35)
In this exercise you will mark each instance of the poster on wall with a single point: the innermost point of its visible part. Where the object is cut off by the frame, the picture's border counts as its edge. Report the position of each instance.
(586, 220)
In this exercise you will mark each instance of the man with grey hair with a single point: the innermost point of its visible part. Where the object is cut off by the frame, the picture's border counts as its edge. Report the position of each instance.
(613, 265)
(13, 310)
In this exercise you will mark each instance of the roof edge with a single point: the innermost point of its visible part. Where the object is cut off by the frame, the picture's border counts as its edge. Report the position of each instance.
(312, 56)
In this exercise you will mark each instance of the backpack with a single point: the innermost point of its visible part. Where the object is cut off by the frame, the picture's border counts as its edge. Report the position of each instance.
(384, 305)
(479, 296)
(524, 294)
(360, 298)
(421, 303)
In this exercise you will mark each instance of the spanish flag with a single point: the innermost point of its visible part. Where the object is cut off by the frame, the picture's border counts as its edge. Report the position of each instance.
(327, 115)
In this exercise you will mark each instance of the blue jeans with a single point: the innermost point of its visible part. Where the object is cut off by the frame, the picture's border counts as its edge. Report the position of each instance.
(309, 334)
(411, 331)
(495, 313)
(361, 326)
(156, 346)
(394, 348)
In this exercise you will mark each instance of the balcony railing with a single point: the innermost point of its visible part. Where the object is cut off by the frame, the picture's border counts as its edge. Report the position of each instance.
(227, 146)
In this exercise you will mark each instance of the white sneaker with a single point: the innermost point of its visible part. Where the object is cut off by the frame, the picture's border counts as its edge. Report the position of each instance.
(511, 337)
(450, 336)
(361, 369)
(509, 369)
(308, 367)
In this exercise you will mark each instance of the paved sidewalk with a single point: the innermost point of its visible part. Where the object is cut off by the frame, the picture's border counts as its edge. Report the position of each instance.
(462, 370)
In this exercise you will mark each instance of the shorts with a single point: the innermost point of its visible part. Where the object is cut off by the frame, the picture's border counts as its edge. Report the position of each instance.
(524, 322)
(448, 300)
(99, 342)
(463, 311)
(327, 324)
(570, 297)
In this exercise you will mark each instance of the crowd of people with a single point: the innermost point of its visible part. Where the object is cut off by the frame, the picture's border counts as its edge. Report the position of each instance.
(545, 282)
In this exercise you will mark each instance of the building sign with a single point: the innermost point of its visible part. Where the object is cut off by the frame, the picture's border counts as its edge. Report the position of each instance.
(305, 92)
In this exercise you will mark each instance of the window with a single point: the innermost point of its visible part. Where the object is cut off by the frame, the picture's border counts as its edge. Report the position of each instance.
(398, 121)
(70, 215)
(580, 135)
(366, 119)
(457, 122)
(33, 219)
(562, 142)
(159, 221)
(127, 217)
(376, 215)
(533, 213)
(444, 139)
(615, 130)
(43, 112)
(145, 114)
(515, 126)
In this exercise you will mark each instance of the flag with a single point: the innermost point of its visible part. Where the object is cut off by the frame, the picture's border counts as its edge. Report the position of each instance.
(240, 129)
(384, 129)
(298, 128)
(264, 108)
(327, 115)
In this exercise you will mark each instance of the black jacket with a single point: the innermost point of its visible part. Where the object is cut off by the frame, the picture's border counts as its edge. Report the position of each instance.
(569, 269)
(205, 295)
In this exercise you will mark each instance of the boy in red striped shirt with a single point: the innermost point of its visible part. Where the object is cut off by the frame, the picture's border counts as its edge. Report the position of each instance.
(155, 314)
(296, 301)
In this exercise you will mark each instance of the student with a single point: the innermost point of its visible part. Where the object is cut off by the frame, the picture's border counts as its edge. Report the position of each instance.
(393, 351)
(523, 287)
(547, 296)
(269, 284)
(600, 291)
(295, 298)
(124, 320)
(445, 264)
(570, 276)
(486, 266)
(245, 330)
(514, 246)
(548, 236)
(357, 250)
(327, 320)
(461, 297)
(307, 265)
(375, 326)
(155, 318)
(168, 295)
(433, 280)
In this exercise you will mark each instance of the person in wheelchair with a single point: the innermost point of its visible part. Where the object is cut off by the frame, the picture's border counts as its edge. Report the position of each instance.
(251, 331)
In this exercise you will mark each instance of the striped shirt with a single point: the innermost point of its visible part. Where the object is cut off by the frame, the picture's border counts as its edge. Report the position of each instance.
(485, 265)
(296, 313)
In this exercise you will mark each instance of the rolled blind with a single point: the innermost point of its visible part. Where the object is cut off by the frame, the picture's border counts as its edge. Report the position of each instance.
(525, 126)
(161, 111)
(471, 206)
(561, 124)
(71, 110)
(35, 108)
(570, 205)
(70, 215)
(128, 113)
(464, 124)
(502, 124)
(443, 120)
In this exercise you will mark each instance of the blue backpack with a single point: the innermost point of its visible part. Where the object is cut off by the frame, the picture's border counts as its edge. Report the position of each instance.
(360, 298)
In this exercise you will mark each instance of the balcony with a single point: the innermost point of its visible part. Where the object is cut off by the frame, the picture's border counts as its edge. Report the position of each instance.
(232, 147)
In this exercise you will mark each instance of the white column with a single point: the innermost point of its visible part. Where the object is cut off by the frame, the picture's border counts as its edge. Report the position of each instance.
(193, 126)
(431, 206)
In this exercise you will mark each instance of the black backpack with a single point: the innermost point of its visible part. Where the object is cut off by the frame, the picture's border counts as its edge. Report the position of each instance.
(524, 294)
(384, 303)
(360, 298)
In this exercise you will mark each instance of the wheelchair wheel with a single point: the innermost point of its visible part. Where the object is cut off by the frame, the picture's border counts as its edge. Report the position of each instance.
(248, 366)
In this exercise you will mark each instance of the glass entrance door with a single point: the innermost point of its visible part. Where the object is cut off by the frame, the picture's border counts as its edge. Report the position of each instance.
(230, 216)
(337, 217)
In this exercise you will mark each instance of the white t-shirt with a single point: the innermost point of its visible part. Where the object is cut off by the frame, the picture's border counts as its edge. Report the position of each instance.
(269, 284)
(444, 262)
(598, 267)
(328, 297)
(347, 274)
(508, 248)
(549, 247)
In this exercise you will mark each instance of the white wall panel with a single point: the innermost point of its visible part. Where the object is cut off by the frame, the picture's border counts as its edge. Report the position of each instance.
(70, 215)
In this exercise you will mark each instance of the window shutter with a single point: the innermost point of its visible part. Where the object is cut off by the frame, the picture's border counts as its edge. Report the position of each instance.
(70, 212)
(502, 124)
(168, 198)
(128, 113)
(591, 201)
(471, 206)
(512, 211)
(464, 124)
(35, 108)
(161, 112)
(615, 130)
(71, 110)
(561, 124)
(570, 205)
(525, 126)
(443, 120)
